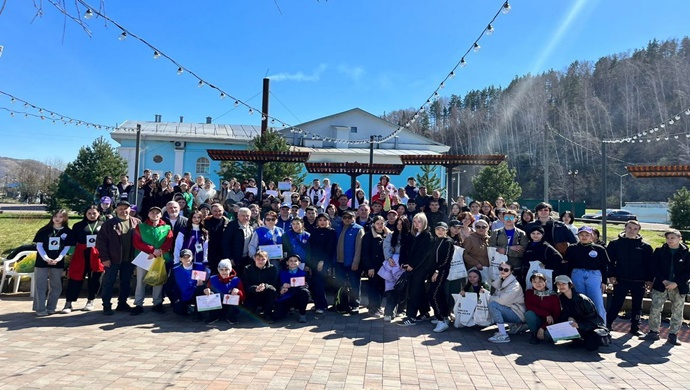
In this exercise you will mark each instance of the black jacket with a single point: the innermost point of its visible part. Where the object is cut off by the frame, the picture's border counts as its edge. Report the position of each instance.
(372, 250)
(419, 252)
(662, 268)
(631, 259)
(323, 243)
(581, 309)
(254, 276)
(589, 257)
(233, 242)
(442, 254)
(545, 253)
(216, 228)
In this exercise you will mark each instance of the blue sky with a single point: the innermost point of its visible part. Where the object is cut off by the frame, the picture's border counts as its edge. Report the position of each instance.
(324, 57)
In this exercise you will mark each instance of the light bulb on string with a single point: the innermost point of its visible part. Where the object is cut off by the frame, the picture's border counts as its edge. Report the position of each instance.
(463, 63)
(687, 112)
(12, 100)
(670, 121)
(26, 115)
(122, 36)
(677, 117)
(54, 122)
(180, 70)
(452, 75)
(263, 118)
(237, 103)
(26, 105)
(88, 14)
(476, 47)
(201, 84)
(273, 121)
(644, 133)
(489, 29)
(11, 114)
(436, 94)
(251, 111)
(443, 84)
(156, 55)
(506, 8)
(222, 95)
(662, 125)
(675, 137)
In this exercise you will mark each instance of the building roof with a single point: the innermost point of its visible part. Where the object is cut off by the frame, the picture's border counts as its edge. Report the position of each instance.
(364, 151)
(640, 171)
(187, 131)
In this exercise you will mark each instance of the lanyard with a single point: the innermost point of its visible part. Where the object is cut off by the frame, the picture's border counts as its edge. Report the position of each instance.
(91, 227)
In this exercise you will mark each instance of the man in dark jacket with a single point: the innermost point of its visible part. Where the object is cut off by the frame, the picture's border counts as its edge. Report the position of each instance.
(260, 282)
(555, 232)
(216, 226)
(236, 239)
(630, 268)
(322, 246)
(114, 244)
(671, 274)
(434, 214)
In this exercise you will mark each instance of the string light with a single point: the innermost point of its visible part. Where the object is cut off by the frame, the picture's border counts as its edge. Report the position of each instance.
(463, 63)
(451, 75)
(476, 47)
(222, 95)
(674, 120)
(237, 103)
(201, 84)
(156, 54)
(506, 8)
(88, 14)
(122, 36)
(489, 29)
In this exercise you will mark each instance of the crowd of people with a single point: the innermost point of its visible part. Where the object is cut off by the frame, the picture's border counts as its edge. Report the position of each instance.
(225, 252)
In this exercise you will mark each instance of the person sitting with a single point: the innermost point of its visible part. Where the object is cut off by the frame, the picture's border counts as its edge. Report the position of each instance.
(579, 310)
(543, 307)
(261, 279)
(507, 304)
(225, 282)
(294, 291)
(182, 288)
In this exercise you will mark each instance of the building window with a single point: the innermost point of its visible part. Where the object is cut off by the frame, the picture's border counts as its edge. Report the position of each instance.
(203, 166)
(158, 159)
(353, 129)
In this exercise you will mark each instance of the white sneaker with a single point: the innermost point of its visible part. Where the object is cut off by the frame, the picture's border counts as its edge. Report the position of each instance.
(89, 306)
(442, 326)
(500, 338)
(319, 311)
(434, 321)
(67, 309)
(387, 318)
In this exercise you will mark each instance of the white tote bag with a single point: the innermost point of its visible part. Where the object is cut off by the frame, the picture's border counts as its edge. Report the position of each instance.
(464, 309)
(457, 265)
(538, 267)
(495, 259)
(481, 312)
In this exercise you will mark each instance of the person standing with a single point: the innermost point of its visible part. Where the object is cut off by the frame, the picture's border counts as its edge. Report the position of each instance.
(154, 237)
(193, 237)
(53, 241)
(216, 227)
(321, 255)
(317, 196)
(114, 244)
(510, 241)
(588, 266)
(372, 260)
(415, 260)
(348, 254)
(630, 271)
(556, 232)
(442, 254)
(236, 238)
(671, 274)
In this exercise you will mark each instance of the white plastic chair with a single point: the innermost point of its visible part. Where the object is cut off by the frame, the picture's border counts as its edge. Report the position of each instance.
(8, 271)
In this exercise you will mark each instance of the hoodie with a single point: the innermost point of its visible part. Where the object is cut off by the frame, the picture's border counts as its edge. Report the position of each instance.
(631, 259)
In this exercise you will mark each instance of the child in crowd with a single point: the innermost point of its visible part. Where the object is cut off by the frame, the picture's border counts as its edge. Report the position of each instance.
(390, 272)
(226, 282)
(294, 291)
(183, 286)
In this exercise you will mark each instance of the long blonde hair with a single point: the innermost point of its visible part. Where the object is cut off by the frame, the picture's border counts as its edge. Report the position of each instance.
(425, 223)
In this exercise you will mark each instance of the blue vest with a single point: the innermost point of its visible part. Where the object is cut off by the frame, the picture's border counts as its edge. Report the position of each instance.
(349, 243)
(184, 282)
(217, 285)
(267, 237)
(191, 238)
(299, 243)
(285, 277)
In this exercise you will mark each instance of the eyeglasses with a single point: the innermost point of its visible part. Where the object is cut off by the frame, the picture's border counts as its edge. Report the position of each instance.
(509, 218)
(481, 227)
(504, 269)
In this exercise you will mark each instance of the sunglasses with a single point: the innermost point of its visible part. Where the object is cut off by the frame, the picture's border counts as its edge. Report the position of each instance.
(504, 269)
(509, 218)
(481, 227)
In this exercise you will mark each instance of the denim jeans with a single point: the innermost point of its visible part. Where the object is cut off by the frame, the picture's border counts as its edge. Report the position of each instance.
(503, 314)
(588, 282)
(533, 321)
(125, 270)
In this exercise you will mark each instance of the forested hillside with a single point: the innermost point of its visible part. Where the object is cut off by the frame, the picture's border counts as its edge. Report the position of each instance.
(566, 113)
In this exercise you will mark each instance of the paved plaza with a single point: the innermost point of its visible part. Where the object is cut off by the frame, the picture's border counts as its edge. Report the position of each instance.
(331, 351)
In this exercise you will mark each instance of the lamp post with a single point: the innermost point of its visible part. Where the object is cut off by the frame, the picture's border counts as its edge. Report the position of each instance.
(620, 195)
(572, 174)
(457, 181)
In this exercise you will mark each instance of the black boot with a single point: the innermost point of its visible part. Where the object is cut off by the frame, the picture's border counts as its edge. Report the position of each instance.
(672, 339)
(635, 330)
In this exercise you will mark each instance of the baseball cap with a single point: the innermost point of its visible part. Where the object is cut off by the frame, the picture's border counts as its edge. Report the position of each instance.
(562, 279)
(185, 252)
(287, 205)
(123, 203)
(441, 225)
(154, 208)
(586, 229)
(106, 200)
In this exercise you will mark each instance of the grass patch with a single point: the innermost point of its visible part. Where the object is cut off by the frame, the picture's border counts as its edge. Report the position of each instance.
(18, 231)
(653, 238)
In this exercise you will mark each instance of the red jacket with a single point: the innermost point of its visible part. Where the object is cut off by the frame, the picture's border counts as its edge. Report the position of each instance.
(139, 244)
(543, 306)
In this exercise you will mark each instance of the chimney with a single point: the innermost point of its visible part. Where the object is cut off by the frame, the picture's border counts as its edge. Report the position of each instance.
(208, 120)
(181, 119)
(157, 118)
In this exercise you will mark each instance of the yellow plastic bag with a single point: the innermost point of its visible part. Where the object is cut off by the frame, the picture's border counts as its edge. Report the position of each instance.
(157, 274)
(26, 265)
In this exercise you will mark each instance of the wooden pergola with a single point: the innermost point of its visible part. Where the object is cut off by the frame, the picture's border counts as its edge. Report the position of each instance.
(450, 161)
(646, 171)
(259, 158)
(354, 170)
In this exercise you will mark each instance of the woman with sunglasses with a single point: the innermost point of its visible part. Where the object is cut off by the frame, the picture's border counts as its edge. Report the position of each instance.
(507, 304)
(269, 234)
(510, 241)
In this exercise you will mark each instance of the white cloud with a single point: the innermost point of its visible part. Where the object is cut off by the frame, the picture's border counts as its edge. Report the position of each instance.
(300, 76)
(353, 72)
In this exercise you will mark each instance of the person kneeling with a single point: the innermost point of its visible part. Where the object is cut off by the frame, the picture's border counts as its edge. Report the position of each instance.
(507, 304)
(580, 311)
(225, 283)
(294, 291)
(184, 284)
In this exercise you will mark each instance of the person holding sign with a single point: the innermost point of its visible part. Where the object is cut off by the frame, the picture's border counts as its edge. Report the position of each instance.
(543, 308)
(230, 287)
(86, 260)
(186, 281)
(579, 311)
(294, 291)
(53, 241)
(261, 279)
(155, 238)
(268, 238)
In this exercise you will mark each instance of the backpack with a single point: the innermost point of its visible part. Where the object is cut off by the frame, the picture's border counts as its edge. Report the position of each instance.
(342, 299)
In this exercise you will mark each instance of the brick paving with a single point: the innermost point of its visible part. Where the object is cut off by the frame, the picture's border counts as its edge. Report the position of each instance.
(153, 351)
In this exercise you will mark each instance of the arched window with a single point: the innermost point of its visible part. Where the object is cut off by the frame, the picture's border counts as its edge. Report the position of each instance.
(203, 166)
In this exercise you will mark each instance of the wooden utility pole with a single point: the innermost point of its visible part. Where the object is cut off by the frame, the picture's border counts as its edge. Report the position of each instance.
(264, 107)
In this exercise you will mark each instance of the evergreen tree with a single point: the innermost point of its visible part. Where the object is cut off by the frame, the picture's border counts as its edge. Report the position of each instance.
(274, 171)
(679, 208)
(429, 178)
(495, 181)
(76, 185)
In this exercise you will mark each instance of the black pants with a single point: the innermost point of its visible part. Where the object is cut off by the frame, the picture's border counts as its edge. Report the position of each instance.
(375, 290)
(620, 290)
(74, 286)
(265, 299)
(230, 312)
(437, 297)
(416, 295)
(298, 298)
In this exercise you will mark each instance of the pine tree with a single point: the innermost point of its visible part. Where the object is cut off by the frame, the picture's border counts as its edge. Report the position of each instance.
(429, 178)
(495, 181)
(76, 185)
(275, 171)
(679, 208)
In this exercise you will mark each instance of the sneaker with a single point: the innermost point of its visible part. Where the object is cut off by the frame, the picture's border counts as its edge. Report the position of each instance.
(635, 331)
(302, 318)
(500, 339)
(89, 306)
(517, 328)
(67, 309)
(124, 307)
(442, 326)
(434, 321)
(319, 311)
(672, 339)
(533, 339)
(107, 310)
(408, 322)
(158, 309)
(42, 313)
(423, 317)
(210, 322)
(354, 310)
(51, 311)
(387, 319)
(136, 310)
(651, 336)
